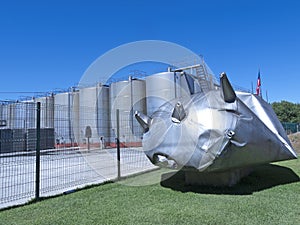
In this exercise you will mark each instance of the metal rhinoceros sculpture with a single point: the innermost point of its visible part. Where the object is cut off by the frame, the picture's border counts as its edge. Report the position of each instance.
(215, 131)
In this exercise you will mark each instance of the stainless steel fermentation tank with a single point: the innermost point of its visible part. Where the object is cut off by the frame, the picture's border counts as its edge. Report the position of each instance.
(217, 133)
(94, 115)
(47, 111)
(163, 87)
(127, 97)
(66, 114)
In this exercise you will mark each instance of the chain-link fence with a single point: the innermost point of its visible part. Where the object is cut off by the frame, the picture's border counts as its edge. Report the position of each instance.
(48, 149)
(291, 128)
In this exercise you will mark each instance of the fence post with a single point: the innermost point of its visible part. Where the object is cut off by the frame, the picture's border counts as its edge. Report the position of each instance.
(118, 143)
(38, 145)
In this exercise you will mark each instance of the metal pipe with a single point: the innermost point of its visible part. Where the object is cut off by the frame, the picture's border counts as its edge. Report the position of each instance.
(118, 143)
(38, 143)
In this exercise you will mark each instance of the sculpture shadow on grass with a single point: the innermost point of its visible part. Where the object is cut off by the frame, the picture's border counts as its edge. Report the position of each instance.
(263, 177)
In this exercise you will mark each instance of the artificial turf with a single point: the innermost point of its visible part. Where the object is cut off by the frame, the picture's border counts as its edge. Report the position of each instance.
(269, 195)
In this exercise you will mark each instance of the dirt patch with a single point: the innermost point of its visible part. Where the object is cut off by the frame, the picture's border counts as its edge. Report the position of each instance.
(295, 140)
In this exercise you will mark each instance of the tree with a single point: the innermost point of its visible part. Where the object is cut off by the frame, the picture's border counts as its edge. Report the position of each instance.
(287, 111)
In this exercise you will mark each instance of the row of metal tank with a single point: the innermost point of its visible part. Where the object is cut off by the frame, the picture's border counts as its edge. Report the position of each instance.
(73, 113)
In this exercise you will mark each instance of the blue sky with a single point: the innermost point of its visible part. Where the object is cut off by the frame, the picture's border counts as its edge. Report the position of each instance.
(47, 45)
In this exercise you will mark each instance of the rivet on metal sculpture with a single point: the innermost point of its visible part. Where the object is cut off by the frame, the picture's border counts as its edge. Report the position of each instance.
(215, 131)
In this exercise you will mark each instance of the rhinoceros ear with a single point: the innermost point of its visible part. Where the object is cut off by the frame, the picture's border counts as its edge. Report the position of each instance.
(143, 120)
(178, 113)
(227, 90)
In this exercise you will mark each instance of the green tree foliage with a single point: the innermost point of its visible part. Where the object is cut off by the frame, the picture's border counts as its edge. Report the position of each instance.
(287, 111)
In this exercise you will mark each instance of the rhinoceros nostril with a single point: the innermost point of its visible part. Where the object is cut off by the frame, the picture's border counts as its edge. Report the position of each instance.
(164, 161)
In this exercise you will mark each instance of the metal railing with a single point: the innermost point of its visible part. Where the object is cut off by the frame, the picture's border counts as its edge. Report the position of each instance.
(41, 155)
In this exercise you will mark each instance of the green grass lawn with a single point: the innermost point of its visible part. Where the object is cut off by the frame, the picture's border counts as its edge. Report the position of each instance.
(270, 195)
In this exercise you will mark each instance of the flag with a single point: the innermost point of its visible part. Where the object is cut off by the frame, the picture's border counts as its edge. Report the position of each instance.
(258, 92)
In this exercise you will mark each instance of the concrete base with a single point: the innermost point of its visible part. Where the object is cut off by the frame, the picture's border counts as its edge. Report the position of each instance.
(217, 179)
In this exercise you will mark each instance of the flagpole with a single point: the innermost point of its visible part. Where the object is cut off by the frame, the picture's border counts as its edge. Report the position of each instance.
(261, 90)
(258, 84)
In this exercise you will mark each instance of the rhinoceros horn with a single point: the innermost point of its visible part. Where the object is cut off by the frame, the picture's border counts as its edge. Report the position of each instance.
(144, 120)
(227, 90)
